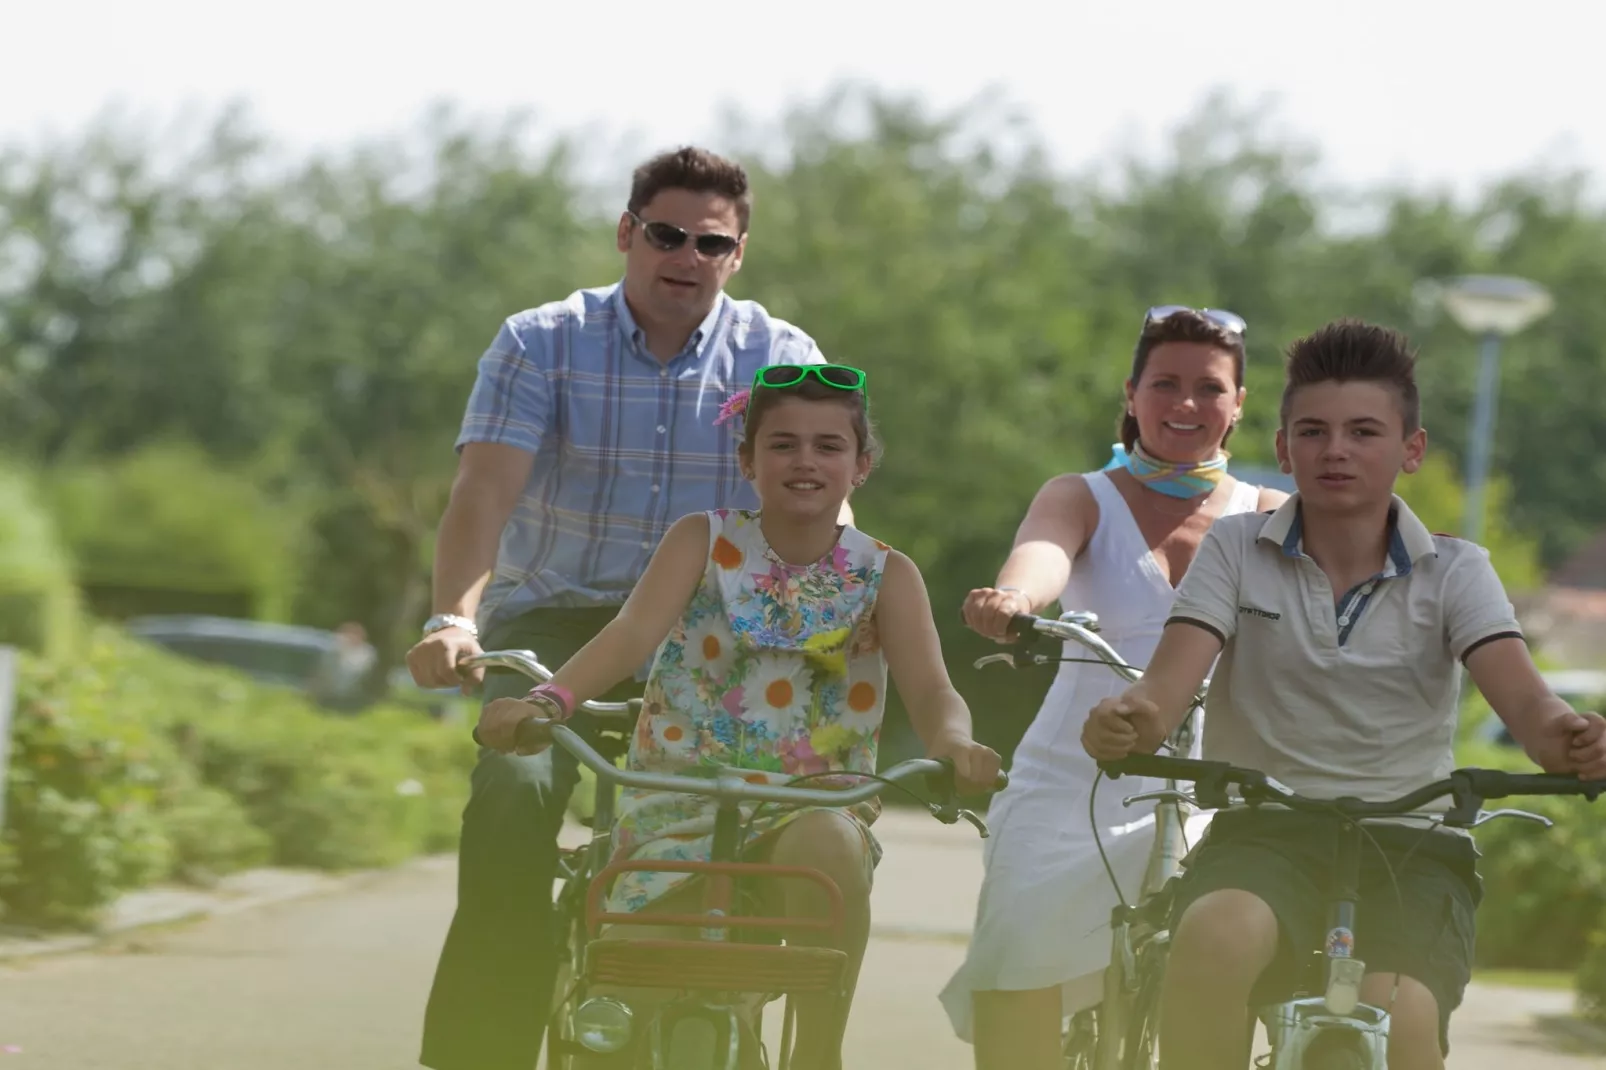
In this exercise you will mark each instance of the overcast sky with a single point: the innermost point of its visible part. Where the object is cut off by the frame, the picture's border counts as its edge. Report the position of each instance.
(1426, 90)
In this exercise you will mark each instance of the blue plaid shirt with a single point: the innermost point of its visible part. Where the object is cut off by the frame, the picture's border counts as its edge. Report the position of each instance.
(624, 444)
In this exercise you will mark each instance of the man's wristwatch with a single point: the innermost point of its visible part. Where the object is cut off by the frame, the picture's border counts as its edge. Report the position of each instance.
(450, 620)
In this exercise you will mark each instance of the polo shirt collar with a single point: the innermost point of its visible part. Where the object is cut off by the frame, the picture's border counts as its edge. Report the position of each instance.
(1409, 539)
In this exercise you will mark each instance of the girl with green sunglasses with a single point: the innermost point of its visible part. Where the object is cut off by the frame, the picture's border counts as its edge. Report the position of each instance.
(773, 635)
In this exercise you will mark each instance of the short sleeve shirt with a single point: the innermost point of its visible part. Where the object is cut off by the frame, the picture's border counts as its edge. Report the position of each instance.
(625, 444)
(1352, 695)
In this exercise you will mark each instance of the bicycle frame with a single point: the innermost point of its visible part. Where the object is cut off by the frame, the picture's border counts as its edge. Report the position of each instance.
(1132, 932)
(712, 969)
(1332, 1031)
(1295, 1026)
(713, 965)
(1133, 935)
(576, 865)
(1335, 1031)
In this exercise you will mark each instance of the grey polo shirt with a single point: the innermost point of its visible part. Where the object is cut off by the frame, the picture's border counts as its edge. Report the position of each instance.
(1350, 695)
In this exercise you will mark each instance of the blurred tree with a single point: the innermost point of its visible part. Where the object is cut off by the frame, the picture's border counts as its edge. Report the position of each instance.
(1435, 495)
(314, 324)
(168, 529)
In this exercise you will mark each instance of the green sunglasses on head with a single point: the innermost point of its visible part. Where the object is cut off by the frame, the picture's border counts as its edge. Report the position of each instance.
(838, 376)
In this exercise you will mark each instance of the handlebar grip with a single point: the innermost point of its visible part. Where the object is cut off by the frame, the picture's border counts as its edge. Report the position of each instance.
(999, 783)
(1023, 625)
(523, 735)
(533, 731)
(1496, 784)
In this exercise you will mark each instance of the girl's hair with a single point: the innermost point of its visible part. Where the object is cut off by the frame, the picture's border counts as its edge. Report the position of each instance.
(765, 398)
(1183, 326)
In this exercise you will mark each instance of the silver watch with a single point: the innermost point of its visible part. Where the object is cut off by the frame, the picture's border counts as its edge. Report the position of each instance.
(450, 620)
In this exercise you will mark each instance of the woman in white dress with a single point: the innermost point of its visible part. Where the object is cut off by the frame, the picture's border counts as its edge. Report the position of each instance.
(1115, 542)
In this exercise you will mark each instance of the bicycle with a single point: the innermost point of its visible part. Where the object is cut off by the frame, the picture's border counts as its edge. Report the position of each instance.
(1120, 1032)
(611, 726)
(703, 1027)
(1325, 1026)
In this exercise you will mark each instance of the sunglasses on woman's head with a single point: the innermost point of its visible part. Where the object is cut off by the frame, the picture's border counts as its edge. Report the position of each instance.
(667, 237)
(1227, 321)
(780, 376)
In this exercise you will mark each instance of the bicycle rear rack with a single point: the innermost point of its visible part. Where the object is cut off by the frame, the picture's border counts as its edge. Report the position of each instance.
(596, 917)
(699, 965)
(715, 963)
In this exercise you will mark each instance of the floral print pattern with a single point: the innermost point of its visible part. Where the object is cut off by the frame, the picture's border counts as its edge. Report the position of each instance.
(774, 669)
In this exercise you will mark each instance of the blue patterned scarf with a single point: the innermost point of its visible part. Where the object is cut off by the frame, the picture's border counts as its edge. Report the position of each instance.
(1177, 480)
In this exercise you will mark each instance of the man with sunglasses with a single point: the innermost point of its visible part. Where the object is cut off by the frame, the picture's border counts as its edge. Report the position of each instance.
(591, 428)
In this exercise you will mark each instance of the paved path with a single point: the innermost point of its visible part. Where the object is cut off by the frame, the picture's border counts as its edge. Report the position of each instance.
(338, 981)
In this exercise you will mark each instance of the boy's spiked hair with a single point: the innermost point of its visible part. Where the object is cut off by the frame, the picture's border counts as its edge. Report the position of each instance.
(1350, 350)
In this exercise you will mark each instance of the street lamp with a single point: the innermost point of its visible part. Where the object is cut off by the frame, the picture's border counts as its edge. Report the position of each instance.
(1493, 307)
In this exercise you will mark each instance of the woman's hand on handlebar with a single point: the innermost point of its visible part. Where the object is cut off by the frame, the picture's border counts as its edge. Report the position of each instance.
(989, 611)
(1122, 725)
(500, 720)
(975, 765)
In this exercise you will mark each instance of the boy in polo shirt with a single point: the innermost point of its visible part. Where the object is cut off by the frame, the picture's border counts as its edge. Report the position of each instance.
(1339, 620)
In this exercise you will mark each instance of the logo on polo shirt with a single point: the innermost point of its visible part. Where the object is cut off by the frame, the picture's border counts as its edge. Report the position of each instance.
(1264, 614)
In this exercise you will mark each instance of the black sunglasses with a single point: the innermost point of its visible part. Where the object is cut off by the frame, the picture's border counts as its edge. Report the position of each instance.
(667, 237)
(1227, 321)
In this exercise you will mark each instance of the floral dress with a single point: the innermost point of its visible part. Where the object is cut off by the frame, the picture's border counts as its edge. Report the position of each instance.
(774, 669)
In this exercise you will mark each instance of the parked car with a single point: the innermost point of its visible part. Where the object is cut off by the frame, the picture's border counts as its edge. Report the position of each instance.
(331, 667)
(441, 703)
(1582, 689)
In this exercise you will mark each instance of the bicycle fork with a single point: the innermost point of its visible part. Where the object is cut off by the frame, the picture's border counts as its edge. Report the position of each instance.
(1123, 977)
(1336, 1028)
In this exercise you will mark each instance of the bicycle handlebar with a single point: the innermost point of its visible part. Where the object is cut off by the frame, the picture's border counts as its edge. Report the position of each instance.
(526, 662)
(727, 784)
(732, 785)
(1467, 788)
(1080, 626)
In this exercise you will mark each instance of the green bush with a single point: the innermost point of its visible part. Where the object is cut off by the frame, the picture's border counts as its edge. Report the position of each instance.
(1544, 903)
(131, 766)
(38, 600)
(329, 793)
(167, 517)
(1591, 978)
(85, 786)
(1544, 889)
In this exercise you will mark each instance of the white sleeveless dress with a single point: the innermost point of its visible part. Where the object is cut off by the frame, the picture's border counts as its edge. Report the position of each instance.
(1043, 917)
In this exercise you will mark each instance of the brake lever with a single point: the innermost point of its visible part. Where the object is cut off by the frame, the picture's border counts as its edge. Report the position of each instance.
(1002, 659)
(975, 819)
(1485, 816)
(950, 813)
(1166, 794)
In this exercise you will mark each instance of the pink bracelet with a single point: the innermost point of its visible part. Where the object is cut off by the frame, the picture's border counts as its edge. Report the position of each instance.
(561, 696)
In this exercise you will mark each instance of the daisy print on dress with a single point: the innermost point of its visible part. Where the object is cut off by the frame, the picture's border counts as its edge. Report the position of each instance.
(673, 734)
(776, 694)
(661, 730)
(710, 656)
(775, 670)
(863, 698)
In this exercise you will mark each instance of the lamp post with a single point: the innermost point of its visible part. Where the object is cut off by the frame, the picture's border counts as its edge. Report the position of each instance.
(1493, 307)
(8, 695)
